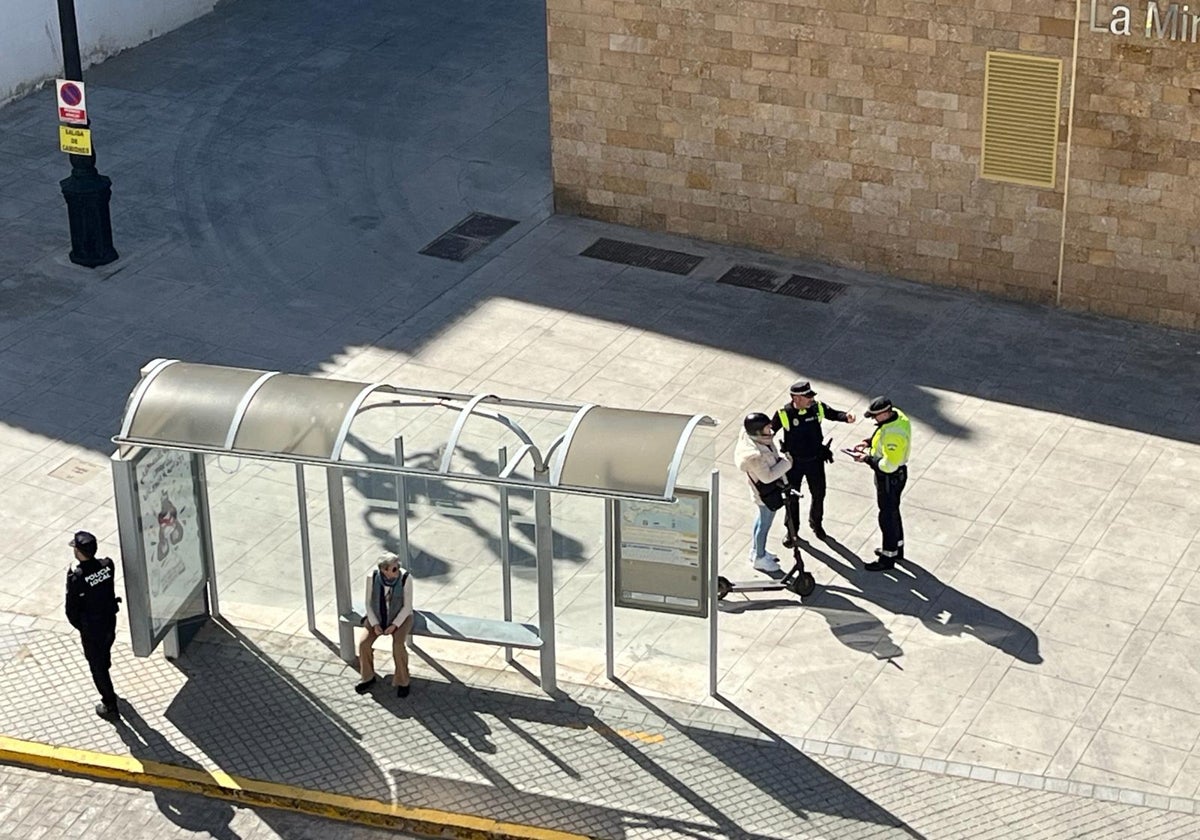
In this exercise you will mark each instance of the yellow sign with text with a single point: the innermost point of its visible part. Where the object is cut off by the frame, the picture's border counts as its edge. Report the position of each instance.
(74, 140)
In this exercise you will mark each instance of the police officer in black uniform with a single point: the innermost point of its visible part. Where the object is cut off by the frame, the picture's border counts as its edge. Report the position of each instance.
(92, 610)
(800, 421)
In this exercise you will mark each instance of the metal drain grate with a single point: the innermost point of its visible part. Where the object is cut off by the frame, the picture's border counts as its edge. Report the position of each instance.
(642, 256)
(468, 236)
(749, 277)
(483, 226)
(811, 288)
(451, 247)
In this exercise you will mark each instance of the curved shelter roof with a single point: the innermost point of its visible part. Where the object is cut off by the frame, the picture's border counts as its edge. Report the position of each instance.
(303, 419)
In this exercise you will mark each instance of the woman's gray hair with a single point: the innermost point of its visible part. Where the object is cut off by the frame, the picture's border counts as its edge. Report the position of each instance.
(388, 559)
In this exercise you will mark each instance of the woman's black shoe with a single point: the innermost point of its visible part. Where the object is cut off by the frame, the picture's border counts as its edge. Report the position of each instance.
(365, 686)
(401, 691)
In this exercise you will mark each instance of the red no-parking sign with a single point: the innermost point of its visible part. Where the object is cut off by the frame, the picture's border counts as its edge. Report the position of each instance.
(72, 104)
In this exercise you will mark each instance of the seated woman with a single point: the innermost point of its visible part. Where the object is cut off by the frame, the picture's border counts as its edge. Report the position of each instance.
(388, 613)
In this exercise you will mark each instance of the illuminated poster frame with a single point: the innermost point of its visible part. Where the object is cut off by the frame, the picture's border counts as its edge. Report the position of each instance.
(166, 540)
(661, 554)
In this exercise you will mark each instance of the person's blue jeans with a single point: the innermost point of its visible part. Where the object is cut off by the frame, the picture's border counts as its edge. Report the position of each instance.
(762, 524)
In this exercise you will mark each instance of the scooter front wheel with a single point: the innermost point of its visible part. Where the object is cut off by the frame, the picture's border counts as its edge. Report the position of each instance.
(724, 587)
(803, 584)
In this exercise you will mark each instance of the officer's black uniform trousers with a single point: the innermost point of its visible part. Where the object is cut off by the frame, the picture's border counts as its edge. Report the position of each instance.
(813, 472)
(98, 636)
(888, 487)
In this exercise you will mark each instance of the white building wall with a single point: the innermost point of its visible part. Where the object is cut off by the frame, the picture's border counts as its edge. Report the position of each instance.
(31, 50)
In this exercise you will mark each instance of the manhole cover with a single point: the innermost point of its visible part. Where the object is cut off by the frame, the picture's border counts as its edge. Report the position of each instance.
(76, 471)
(642, 256)
(811, 288)
(749, 277)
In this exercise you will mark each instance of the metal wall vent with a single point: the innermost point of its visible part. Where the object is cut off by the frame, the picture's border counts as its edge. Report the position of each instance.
(468, 236)
(751, 277)
(642, 256)
(811, 288)
(1021, 103)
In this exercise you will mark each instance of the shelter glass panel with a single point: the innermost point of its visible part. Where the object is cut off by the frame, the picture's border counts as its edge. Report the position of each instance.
(191, 404)
(297, 415)
(623, 451)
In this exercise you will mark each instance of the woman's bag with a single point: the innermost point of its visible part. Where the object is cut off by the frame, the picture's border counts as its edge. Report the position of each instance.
(773, 495)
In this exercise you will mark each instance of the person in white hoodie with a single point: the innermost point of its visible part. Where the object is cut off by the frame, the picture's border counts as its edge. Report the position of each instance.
(756, 455)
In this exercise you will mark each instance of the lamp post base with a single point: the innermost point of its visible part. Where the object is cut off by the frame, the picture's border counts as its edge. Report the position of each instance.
(87, 195)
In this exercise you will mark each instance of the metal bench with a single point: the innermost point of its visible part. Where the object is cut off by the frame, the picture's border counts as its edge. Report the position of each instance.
(461, 628)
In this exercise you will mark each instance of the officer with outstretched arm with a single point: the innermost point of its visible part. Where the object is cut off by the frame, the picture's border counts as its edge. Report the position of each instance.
(800, 420)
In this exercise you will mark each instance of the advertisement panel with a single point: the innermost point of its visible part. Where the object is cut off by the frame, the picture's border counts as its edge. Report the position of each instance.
(165, 543)
(662, 554)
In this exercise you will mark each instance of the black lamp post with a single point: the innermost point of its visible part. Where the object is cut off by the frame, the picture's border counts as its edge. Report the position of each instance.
(86, 191)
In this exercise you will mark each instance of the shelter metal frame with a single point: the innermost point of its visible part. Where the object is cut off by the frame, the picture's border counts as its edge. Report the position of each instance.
(182, 406)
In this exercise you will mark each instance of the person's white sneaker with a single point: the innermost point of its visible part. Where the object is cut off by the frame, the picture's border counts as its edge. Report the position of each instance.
(766, 563)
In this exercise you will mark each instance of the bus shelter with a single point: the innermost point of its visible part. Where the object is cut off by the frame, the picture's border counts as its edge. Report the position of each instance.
(180, 412)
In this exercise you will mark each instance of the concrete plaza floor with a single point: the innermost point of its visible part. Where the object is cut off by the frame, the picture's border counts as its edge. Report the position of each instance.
(276, 173)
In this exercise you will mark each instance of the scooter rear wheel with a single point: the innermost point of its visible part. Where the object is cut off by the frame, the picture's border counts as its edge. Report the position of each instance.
(803, 584)
(724, 587)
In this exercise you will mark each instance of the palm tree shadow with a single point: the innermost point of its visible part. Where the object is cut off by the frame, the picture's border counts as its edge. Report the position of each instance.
(910, 589)
(450, 500)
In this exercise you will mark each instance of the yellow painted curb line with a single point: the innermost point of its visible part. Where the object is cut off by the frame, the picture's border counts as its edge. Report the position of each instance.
(220, 785)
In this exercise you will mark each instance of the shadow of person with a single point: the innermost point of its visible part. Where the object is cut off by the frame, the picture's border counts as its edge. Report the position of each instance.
(188, 811)
(909, 589)
(853, 626)
(451, 730)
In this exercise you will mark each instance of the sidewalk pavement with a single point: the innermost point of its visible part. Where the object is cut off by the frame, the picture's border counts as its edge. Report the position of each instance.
(38, 805)
(597, 763)
(276, 173)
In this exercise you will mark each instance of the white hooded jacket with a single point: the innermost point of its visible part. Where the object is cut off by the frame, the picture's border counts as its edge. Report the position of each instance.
(759, 461)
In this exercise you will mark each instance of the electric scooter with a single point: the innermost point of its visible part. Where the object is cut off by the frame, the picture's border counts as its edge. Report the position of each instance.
(797, 581)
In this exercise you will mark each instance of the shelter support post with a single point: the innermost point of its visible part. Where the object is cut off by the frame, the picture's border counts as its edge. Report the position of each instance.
(610, 559)
(505, 550)
(341, 561)
(401, 505)
(305, 549)
(544, 546)
(170, 644)
(714, 505)
(210, 558)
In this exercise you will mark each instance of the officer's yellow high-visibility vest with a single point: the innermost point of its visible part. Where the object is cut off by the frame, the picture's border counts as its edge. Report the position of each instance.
(786, 422)
(891, 441)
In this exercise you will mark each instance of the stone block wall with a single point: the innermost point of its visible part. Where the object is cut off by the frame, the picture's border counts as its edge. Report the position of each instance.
(1133, 209)
(850, 131)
